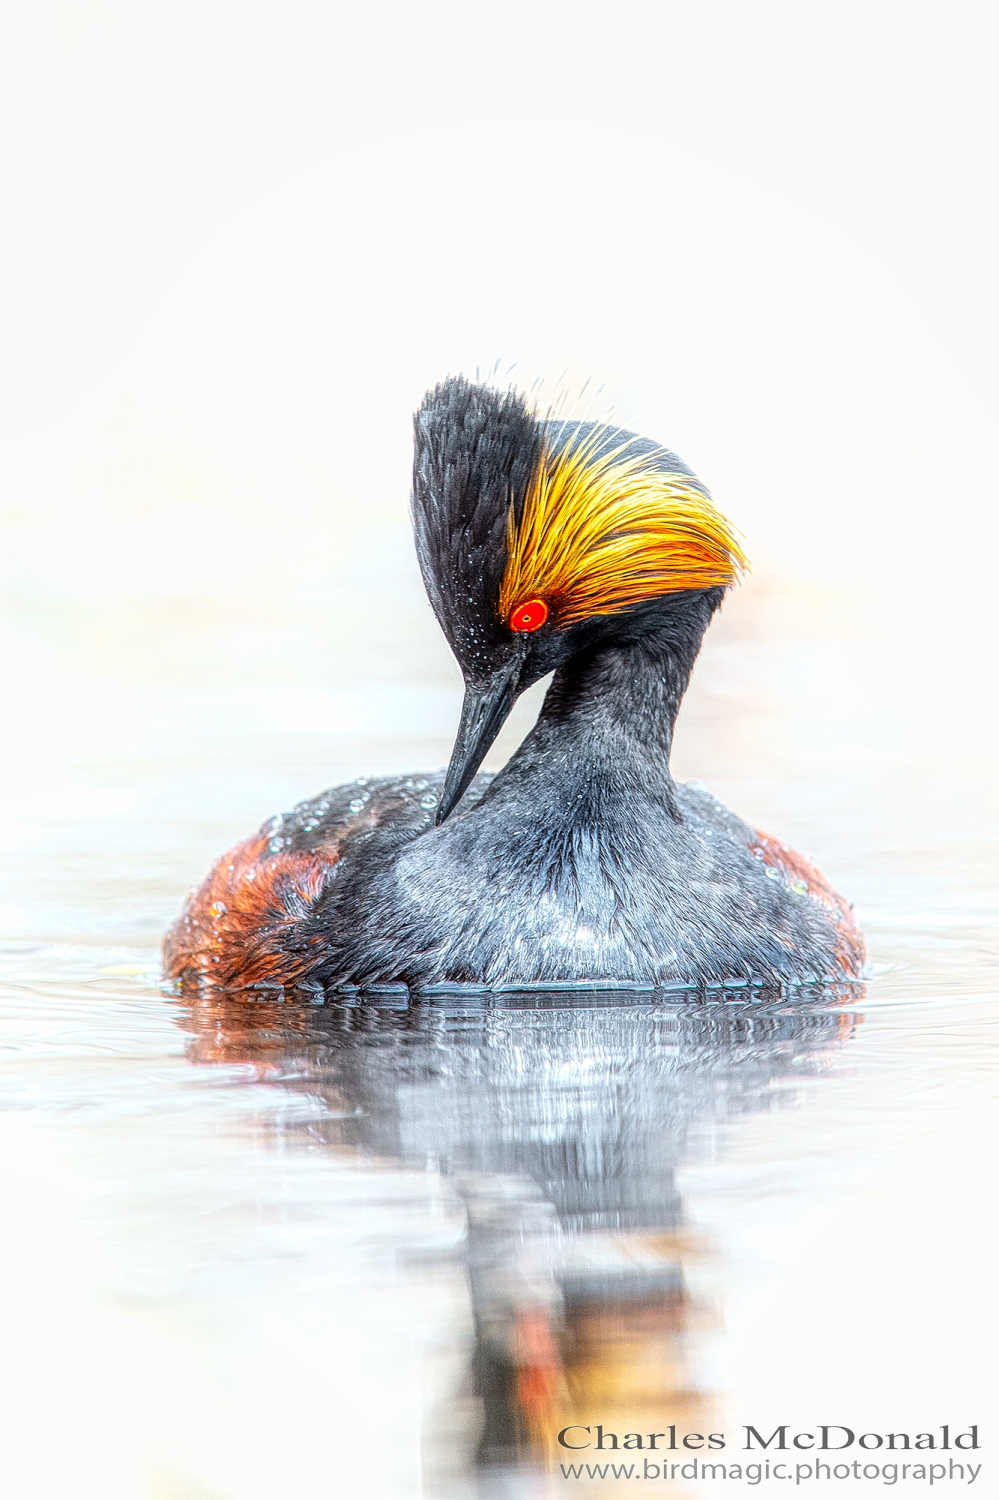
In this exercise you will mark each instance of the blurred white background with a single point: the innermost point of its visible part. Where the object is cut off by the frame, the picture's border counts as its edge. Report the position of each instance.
(241, 240)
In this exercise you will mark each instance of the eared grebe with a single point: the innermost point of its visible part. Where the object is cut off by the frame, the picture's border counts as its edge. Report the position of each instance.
(545, 546)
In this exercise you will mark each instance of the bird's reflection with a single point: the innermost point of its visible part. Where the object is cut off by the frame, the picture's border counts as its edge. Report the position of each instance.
(563, 1126)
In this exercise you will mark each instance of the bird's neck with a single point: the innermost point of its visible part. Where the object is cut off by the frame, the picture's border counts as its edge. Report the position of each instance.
(607, 722)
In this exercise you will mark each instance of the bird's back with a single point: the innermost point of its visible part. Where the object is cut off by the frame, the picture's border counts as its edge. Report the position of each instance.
(357, 886)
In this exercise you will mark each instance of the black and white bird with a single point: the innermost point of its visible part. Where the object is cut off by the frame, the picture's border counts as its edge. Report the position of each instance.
(546, 546)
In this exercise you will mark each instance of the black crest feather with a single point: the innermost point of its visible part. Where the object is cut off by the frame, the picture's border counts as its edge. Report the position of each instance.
(475, 451)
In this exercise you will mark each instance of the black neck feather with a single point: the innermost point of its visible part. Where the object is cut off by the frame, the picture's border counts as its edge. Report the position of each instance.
(607, 721)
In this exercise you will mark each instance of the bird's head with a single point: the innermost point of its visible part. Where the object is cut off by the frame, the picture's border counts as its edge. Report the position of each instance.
(537, 538)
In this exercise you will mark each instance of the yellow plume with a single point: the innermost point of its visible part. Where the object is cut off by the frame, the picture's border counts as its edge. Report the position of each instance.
(602, 532)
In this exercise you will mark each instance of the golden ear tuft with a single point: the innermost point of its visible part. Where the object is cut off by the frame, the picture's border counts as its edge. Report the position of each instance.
(602, 531)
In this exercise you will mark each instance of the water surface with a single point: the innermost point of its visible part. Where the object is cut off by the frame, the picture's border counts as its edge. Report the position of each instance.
(259, 1249)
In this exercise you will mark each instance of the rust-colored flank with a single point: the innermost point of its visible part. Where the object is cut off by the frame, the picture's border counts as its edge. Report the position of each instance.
(235, 928)
(802, 876)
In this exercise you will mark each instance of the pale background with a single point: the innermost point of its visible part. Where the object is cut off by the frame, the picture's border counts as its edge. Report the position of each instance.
(239, 243)
(242, 240)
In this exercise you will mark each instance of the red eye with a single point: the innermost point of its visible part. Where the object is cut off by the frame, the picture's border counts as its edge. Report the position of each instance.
(529, 616)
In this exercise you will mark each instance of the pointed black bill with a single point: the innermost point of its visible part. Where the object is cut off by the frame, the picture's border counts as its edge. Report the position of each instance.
(483, 715)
